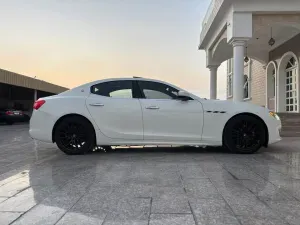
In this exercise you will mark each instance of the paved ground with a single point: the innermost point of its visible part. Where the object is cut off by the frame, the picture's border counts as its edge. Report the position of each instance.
(40, 185)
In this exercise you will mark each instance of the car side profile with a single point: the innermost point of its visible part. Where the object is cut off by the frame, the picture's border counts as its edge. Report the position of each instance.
(138, 111)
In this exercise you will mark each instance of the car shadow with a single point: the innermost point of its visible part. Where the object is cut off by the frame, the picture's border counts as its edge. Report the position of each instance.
(118, 169)
(181, 149)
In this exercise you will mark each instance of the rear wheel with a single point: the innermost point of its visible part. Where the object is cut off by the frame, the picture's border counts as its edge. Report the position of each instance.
(244, 134)
(74, 135)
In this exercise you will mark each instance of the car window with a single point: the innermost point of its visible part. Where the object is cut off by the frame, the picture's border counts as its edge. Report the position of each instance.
(152, 94)
(125, 93)
(155, 90)
(113, 89)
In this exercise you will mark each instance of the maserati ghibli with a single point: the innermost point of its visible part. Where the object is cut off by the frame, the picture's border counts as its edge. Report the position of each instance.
(138, 111)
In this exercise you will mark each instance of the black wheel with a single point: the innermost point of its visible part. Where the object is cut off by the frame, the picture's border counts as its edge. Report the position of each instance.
(244, 134)
(74, 135)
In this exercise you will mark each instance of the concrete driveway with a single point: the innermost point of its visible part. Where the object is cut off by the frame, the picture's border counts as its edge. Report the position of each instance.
(156, 186)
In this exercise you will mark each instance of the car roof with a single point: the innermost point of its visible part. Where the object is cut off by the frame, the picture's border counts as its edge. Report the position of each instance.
(129, 78)
(85, 88)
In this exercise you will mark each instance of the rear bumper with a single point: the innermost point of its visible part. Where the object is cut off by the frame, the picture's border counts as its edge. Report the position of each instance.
(41, 125)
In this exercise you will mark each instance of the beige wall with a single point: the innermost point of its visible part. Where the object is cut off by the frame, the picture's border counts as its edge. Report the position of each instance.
(292, 45)
(258, 83)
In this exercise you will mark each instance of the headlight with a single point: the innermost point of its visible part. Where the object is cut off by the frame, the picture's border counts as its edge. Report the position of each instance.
(274, 115)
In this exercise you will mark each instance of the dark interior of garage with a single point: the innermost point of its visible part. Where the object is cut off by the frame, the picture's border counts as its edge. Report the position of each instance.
(19, 98)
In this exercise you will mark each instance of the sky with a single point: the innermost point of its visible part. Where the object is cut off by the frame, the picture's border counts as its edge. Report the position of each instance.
(71, 42)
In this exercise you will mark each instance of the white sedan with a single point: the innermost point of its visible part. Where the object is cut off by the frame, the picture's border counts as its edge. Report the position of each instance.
(137, 111)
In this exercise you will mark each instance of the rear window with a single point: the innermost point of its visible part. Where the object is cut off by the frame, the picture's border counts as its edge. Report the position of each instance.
(113, 89)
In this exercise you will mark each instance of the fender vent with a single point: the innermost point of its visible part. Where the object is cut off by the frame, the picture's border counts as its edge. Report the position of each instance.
(215, 111)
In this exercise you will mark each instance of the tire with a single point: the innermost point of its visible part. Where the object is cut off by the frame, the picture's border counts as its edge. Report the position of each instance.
(244, 134)
(75, 135)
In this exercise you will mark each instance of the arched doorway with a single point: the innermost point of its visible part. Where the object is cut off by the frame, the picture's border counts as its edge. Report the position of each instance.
(288, 93)
(271, 86)
(291, 86)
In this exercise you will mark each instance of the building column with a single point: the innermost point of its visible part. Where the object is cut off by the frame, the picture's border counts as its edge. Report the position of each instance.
(35, 95)
(213, 81)
(238, 69)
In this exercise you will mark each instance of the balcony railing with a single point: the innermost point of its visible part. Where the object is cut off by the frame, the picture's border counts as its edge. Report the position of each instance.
(210, 15)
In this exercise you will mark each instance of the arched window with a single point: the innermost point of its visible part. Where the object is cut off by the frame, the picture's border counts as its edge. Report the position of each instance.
(291, 85)
(291, 63)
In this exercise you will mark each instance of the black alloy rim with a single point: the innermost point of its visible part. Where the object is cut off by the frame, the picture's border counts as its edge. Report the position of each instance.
(73, 136)
(246, 135)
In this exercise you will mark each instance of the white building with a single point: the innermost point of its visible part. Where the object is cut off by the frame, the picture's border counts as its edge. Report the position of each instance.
(263, 38)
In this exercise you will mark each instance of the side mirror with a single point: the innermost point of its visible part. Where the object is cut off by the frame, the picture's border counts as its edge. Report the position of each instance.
(183, 95)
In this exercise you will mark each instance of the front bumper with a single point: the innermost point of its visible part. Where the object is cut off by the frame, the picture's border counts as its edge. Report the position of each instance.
(274, 128)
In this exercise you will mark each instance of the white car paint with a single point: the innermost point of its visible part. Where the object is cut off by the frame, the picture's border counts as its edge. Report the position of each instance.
(172, 120)
(117, 118)
(119, 121)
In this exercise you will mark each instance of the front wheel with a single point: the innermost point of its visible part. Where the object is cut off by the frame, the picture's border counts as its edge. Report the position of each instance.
(244, 134)
(74, 135)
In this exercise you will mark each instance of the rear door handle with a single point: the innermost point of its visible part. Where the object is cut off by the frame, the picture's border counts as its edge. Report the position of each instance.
(96, 104)
(152, 107)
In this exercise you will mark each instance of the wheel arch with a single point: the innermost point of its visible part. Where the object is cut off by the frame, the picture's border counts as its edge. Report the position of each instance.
(67, 116)
(255, 116)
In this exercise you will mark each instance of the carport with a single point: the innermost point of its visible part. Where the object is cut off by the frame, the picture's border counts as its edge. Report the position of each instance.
(19, 91)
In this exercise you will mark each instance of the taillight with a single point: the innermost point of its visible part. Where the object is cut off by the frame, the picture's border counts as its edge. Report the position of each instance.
(38, 104)
(9, 112)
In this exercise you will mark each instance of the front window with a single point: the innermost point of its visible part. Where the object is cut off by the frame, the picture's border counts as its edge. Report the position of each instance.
(113, 89)
(155, 90)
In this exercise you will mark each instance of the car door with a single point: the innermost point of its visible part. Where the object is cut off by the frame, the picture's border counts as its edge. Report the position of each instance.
(167, 118)
(115, 110)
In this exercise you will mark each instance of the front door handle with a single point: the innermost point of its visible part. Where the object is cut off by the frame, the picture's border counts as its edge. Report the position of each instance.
(96, 104)
(152, 107)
